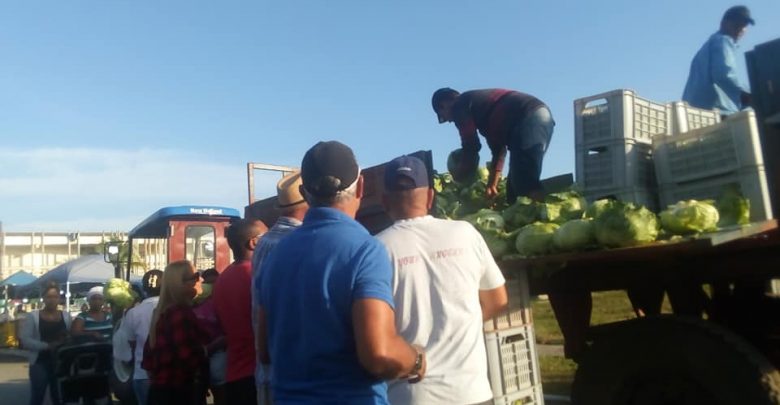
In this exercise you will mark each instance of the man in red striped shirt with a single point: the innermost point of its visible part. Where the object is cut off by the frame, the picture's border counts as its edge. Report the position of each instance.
(510, 121)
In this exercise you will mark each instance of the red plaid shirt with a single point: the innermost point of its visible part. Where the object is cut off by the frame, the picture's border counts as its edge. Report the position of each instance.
(179, 353)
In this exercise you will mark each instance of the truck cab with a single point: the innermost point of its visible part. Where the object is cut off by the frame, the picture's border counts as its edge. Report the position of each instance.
(194, 233)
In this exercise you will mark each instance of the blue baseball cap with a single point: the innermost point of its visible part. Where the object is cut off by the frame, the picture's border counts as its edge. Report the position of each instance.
(406, 173)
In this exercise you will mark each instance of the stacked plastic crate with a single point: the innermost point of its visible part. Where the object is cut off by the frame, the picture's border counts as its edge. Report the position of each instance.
(702, 163)
(613, 145)
(513, 364)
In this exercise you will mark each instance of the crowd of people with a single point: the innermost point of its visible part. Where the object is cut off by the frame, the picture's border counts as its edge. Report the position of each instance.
(315, 310)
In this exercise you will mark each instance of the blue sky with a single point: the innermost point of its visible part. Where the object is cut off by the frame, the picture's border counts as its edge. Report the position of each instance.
(111, 109)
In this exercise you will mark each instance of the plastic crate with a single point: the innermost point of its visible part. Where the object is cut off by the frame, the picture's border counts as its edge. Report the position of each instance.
(531, 396)
(710, 151)
(619, 114)
(751, 182)
(686, 118)
(511, 360)
(640, 196)
(519, 308)
(616, 164)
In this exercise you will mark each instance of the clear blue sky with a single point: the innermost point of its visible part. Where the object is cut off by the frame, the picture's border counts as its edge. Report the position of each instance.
(110, 109)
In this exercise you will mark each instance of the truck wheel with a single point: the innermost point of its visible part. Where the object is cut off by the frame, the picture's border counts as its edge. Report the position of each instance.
(673, 361)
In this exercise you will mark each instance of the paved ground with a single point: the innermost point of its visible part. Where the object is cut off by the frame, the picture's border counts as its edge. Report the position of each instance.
(14, 383)
(15, 389)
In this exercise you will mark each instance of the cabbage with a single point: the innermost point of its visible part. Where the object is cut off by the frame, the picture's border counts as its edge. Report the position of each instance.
(571, 204)
(486, 220)
(470, 167)
(733, 208)
(550, 212)
(521, 213)
(690, 217)
(499, 242)
(119, 293)
(535, 239)
(595, 209)
(622, 224)
(574, 235)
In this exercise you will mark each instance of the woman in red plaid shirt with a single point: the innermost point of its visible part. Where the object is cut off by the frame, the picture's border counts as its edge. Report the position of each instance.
(175, 352)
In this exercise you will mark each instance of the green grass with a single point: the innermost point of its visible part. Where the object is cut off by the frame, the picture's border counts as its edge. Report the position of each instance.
(557, 374)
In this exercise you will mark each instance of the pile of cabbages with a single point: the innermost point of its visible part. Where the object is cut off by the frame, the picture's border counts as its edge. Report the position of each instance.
(119, 293)
(565, 222)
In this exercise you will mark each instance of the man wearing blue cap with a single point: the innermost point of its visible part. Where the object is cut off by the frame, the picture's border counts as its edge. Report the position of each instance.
(325, 318)
(445, 284)
(712, 81)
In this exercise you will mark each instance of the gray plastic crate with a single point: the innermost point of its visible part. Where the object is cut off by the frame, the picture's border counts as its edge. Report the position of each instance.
(615, 164)
(617, 115)
(511, 360)
(686, 118)
(710, 151)
(751, 182)
(519, 308)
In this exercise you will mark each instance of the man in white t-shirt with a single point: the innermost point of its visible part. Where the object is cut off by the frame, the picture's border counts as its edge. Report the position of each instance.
(445, 284)
(135, 328)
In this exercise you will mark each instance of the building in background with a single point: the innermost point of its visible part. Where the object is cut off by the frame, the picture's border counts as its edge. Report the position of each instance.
(39, 252)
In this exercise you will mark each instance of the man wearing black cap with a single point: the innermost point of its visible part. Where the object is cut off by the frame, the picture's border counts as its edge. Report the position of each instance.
(326, 320)
(712, 81)
(445, 284)
(135, 326)
(510, 121)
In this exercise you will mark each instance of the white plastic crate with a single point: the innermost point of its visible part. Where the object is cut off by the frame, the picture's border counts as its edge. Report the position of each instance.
(710, 151)
(751, 183)
(519, 307)
(686, 118)
(639, 196)
(615, 164)
(531, 396)
(619, 114)
(512, 360)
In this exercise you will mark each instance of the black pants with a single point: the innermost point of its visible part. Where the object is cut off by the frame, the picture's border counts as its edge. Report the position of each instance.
(241, 392)
(167, 395)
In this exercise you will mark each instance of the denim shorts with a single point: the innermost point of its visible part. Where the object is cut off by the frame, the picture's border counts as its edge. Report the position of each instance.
(527, 145)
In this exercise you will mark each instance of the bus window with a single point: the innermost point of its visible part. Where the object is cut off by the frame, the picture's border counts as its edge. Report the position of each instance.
(199, 246)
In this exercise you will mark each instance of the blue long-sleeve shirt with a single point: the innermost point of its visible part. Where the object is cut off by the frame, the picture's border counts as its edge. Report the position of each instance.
(712, 81)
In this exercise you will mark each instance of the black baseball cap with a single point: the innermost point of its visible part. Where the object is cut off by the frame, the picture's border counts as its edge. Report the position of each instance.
(406, 173)
(327, 168)
(444, 93)
(739, 14)
(152, 281)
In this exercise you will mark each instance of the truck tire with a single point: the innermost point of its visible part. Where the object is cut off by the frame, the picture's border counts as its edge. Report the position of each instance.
(673, 361)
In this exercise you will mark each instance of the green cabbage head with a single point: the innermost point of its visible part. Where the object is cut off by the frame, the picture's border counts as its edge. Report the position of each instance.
(535, 239)
(734, 209)
(521, 213)
(623, 224)
(499, 242)
(574, 235)
(119, 293)
(690, 217)
(486, 219)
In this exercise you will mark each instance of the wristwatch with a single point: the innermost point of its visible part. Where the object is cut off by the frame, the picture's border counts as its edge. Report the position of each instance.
(418, 360)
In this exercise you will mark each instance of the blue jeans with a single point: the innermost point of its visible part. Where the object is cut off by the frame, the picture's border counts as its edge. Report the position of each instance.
(141, 389)
(527, 145)
(41, 377)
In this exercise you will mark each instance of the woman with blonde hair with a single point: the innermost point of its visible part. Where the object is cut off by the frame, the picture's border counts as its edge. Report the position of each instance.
(175, 352)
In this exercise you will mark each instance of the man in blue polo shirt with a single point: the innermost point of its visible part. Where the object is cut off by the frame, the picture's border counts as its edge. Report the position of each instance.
(326, 321)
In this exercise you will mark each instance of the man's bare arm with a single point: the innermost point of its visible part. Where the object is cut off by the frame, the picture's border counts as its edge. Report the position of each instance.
(381, 351)
(493, 302)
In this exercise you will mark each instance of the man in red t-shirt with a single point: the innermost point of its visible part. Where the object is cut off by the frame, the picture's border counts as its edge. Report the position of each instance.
(233, 302)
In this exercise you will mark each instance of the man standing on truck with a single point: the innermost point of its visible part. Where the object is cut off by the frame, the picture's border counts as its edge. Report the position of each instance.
(326, 318)
(509, 120)
(233, 302)
(293, 207)
(445, 285)
(712, 81)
